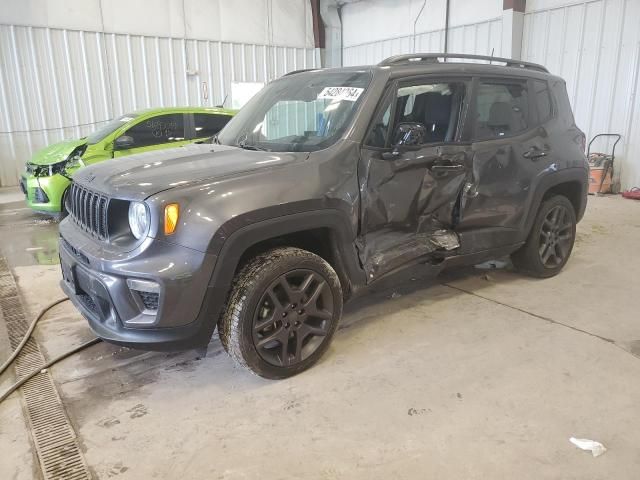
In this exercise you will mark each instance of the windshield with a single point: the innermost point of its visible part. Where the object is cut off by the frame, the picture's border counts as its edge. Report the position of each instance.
(298, 113)
(109, 128)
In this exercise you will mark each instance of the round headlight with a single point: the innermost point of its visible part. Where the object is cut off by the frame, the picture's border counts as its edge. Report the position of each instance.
(138, 219)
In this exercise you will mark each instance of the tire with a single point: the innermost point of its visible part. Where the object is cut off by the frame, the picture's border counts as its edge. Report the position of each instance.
(283, 309)
(550, 241)
(63, 213)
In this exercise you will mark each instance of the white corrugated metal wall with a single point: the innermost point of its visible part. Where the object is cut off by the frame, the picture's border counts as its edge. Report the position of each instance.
(595, 46)
(58, 83)
(478, 38)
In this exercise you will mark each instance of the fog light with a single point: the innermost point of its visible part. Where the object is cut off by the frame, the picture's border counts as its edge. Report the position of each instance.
(40, 196)
(146, 294)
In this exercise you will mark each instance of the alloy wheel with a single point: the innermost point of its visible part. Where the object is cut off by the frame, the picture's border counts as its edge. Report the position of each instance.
(293, 317)
(556, 237)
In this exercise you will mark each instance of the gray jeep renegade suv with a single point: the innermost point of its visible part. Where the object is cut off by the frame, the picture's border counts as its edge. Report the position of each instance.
(326, 182)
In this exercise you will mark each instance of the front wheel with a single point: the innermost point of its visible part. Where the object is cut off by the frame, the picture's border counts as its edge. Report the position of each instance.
(63, 202)
(63, 213)
(282, 312)
(550, 241)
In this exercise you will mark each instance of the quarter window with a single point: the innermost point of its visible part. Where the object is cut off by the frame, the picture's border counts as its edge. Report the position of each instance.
(379, 131)
(156, 130)
(207, 125)
(542, 99)
(502, 109)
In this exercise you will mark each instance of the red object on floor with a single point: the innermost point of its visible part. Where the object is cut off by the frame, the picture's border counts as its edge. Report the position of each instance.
(634, 193)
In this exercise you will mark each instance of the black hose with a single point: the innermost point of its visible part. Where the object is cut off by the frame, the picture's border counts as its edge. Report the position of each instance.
(49, 364)
(28, 333)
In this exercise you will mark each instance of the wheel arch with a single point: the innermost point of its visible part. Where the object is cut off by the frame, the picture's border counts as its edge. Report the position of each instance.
(325, 232)
(571, 183)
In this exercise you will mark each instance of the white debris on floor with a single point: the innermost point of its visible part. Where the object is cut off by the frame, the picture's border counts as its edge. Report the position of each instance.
(596, 448)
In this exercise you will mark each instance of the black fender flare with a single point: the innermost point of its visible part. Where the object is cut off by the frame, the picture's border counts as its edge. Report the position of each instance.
(578, 175)
(229, 244)
(240, 239)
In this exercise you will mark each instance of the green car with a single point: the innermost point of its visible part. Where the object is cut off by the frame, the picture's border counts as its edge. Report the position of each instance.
(47, 175)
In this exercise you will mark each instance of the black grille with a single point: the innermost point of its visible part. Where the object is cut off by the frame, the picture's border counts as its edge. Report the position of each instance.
(89, 210)
(149, 299)
(88, 302)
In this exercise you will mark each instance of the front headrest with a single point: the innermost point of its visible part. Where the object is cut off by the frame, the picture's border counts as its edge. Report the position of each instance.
(437, 108)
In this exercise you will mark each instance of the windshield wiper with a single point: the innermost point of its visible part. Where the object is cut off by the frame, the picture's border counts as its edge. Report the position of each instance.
(251, 147)
(243, 144)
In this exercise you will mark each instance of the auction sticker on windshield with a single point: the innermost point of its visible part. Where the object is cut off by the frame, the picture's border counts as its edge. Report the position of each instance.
(341, 93)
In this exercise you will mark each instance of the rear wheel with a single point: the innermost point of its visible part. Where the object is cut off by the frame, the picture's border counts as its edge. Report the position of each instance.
(550, 241)
(283, 310)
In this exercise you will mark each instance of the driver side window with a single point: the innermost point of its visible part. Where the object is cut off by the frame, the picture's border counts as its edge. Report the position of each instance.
(434, 106)
(424, 113)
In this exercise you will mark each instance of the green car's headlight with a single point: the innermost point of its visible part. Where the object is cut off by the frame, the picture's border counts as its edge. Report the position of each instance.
(74, 162)
(57, 167)
(138, 219)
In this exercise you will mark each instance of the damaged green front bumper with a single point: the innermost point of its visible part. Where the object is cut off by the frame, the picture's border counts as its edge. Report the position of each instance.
(44, 194)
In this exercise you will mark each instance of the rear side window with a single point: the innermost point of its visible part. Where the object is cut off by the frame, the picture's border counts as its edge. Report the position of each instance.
(156, 130)
(542, 99)
(207, 125)
(502, 110)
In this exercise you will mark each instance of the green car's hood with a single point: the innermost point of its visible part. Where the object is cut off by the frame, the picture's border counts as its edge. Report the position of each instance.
(57, 152)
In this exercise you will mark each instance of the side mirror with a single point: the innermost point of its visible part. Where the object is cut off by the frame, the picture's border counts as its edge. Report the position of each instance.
(123, 142)
(409, 134)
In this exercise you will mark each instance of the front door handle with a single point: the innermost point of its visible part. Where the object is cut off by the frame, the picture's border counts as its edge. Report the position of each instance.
(447, 168)
(534, 152)
(392, 155)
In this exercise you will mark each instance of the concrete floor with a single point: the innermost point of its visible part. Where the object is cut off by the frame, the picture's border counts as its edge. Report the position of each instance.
(477, 374)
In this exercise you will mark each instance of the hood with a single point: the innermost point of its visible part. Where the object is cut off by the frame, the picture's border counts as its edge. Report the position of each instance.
(57, 152)
(136, 177)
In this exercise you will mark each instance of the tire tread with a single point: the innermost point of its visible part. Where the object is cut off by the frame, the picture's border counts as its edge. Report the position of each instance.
(250, 276)
(526, 259)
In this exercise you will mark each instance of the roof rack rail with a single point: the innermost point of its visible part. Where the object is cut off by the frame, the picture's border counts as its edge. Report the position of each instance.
(434, 58)
(293, 72)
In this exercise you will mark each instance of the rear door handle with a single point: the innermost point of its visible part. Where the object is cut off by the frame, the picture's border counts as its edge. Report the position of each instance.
(534, 152)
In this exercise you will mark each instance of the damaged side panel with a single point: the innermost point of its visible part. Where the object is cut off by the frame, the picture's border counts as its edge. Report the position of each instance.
(409, 205)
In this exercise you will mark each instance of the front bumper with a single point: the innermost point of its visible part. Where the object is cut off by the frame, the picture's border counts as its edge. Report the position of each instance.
(44, 193)
(95, 279)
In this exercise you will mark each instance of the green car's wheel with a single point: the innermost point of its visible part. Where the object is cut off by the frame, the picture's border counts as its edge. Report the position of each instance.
(63, 206)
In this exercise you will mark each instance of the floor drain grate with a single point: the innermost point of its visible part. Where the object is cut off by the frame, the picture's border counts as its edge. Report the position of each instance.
(54, 437)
